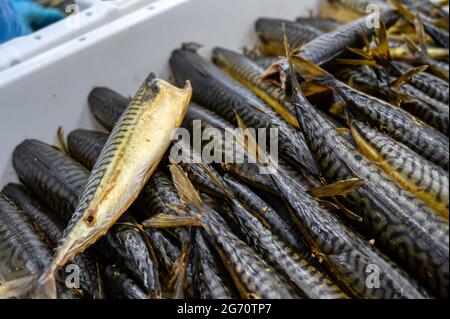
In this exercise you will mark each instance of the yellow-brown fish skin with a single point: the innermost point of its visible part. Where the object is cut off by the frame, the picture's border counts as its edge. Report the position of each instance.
(424, 179)
(131, 154)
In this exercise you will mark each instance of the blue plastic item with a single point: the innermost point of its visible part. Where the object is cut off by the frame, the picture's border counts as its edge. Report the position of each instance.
(21, 17)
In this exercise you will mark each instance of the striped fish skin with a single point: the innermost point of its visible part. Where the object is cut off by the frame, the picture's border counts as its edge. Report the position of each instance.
(107, 106)
(330, 45)
(211, 279)
(157, 196)
(247, 171)
(50, 175)
(23, 248)
(265, 61)
(59, 181)
(42, 216)
(286, 230)
(85, 146)
(402, 225)
(198, 112)
(220, 93)
(429, 110)
(398, 124)
(424, 179)
(53, 228)
(439, 35)
(131, 154)
(166, 249)
(270, 35)
(157, 193)
(311, 282)
(133, 254)
(322, 24)
(249, 74)
(427, 83)
(346, 256)
(250, 173)
(253, 276)
(160, 196)
(360, 6)
(120, 286)
(189, 163)
(432, 111)
(426, 7)
(22, 245)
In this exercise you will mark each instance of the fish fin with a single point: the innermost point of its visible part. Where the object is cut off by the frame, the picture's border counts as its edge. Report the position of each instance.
(440, 4)
(406, 77)
(402, 10)
(441, 23)
(61, 141)
(402, 98)
(337, 109)
(33, 287)
(438, 53)
(335, 189)
(178, 280)
(360, 52)
(154, 293)
(311, 87)
(343, 130)
(168, 221)
(308, 69)
(296, 51)
(412, 46)
(248, 142)
(185, 189)
(382, 42)
(215, 180)
(177, 207)
(252, 53)
(423, 51)
(420, 30)
(357, 62)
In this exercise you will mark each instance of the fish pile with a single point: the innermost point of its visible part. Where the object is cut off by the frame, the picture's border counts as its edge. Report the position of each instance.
(355, 205)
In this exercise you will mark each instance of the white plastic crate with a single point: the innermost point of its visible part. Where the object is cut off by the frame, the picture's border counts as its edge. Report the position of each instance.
(51, 89)
(84, 16)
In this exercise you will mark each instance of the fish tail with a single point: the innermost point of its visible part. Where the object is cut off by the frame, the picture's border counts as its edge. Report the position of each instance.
(33, 287)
